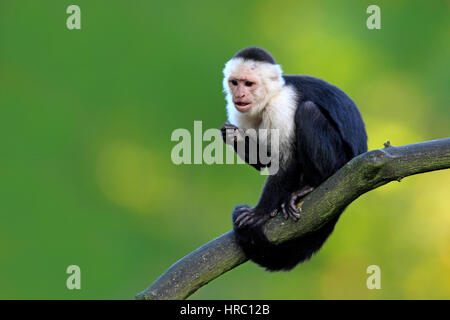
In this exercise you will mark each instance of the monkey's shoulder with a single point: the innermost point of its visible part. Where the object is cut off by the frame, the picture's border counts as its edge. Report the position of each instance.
(339, 110)
(317, 90)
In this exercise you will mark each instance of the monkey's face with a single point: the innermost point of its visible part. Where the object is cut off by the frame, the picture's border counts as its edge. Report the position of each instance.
(242, 88)
(249, 85)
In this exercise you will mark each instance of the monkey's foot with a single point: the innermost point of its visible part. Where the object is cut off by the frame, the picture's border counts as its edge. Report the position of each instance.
(243, 216)
(231, 133)
(289, 207)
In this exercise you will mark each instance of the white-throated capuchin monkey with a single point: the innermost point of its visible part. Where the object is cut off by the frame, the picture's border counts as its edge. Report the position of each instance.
(319, 130)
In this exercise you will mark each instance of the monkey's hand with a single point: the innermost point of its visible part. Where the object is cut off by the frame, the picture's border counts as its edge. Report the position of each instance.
(231, 134)
(244, 216)
(290, 208)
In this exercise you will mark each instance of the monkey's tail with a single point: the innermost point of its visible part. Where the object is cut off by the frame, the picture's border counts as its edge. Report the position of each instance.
(286, 255)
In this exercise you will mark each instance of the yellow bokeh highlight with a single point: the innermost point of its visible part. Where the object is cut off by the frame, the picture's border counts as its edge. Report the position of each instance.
(132, 176)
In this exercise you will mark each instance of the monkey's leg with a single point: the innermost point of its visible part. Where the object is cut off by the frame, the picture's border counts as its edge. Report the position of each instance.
(289, 207)
(275, 191)
(243, 215)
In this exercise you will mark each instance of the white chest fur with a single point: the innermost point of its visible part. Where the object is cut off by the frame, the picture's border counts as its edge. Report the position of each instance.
(278, 114)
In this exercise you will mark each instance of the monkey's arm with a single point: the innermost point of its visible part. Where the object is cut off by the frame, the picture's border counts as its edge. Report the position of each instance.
(321, 149)
(241, 144)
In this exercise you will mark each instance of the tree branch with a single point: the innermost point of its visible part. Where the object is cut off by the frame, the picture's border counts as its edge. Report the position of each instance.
(362, 174)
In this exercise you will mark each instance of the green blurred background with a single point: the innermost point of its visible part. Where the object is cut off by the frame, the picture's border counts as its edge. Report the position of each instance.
(86, 118)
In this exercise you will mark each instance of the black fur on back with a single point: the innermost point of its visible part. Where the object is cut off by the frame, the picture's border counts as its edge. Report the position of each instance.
(336, 106)
(255, 54)
(329, 133)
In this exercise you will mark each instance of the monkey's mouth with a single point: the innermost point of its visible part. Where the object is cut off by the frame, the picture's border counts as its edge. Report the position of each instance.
(242, 106)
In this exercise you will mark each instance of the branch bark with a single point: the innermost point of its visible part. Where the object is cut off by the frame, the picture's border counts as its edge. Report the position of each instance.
(362, 174)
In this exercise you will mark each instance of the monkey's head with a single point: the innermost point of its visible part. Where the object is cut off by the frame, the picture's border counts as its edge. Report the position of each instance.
(251, 79)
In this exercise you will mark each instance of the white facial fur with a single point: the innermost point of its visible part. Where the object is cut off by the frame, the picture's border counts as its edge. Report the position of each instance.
(274, 103)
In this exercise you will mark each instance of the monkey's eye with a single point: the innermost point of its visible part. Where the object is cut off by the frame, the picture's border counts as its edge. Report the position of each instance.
(234, 82)
(248, 83)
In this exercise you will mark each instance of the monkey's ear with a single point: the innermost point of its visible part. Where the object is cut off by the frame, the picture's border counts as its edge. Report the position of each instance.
(230, 66)
(273, 72)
